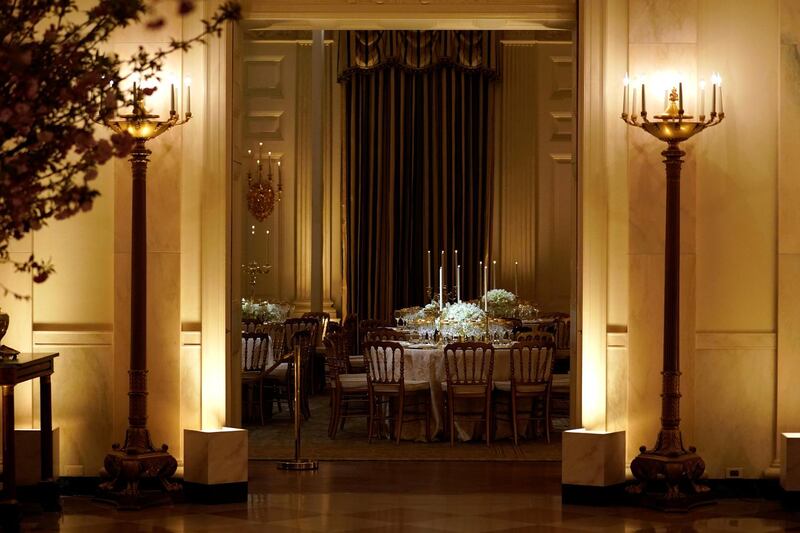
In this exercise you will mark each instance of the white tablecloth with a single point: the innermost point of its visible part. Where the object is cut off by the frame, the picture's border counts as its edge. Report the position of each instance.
(427, 364)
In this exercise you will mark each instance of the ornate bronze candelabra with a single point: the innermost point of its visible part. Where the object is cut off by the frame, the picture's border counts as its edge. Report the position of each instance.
(253, 269)
(669, 474)
(137, 460)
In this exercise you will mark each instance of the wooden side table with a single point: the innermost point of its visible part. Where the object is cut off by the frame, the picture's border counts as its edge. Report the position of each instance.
(27, 366)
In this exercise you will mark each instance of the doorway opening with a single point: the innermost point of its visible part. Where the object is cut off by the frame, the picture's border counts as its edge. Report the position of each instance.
(422, 166)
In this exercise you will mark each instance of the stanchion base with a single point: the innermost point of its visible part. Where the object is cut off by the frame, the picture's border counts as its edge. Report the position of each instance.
(299, 464)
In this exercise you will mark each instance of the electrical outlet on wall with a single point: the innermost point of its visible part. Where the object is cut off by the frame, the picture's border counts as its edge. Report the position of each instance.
(734, 472)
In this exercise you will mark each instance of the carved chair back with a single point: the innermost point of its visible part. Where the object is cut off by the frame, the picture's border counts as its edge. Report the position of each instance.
(468, 363)
(531, 362)
(255, 351)
(296, 325)
(385, 334)
(323, 319)
(385, 363)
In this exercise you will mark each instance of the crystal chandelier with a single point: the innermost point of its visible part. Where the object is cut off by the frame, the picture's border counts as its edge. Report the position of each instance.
(262, 196)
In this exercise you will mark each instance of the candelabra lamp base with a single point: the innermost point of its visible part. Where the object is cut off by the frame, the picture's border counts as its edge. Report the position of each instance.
(669, 476)
(299, 464)
(138, 474)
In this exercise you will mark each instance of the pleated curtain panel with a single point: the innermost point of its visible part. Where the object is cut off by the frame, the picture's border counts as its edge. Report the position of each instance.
(417, 161)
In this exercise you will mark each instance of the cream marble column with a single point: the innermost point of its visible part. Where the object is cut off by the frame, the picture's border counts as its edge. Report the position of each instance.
(788, 363)
(662, 37)
(317, 86)
(305, 213)
(220, 383)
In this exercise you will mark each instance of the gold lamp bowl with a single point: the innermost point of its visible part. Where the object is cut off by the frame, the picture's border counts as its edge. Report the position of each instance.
(673, 131)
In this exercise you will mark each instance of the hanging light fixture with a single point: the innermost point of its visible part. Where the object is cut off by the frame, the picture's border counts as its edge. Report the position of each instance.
(261, 195)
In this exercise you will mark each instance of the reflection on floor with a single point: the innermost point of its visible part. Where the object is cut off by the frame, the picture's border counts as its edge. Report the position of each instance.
(276, 440)
(412, 497)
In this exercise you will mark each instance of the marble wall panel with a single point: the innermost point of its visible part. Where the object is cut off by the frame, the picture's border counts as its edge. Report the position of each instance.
(735, 414)
(122, 339)
(789, 155)
(163, 349)
(788, 341)
(617, 384)
(790, 21)
(737, 169)
(83, 390)
(190, 387)
(659, 21)
(82, 250)
(645, 350)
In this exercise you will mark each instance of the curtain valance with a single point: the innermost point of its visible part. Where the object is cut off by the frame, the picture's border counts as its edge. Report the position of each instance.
(468, 50)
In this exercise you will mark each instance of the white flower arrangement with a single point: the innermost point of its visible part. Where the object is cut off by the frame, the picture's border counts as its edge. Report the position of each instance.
(462, 320)
(265, 312)
(501, 303)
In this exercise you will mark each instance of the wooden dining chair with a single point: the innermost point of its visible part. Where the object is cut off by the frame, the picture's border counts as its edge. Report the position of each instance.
(322, 319)
(386, 382)
(385, 334)
(365, 327)
(318, 374)
(347, 390)
(530, 378)
(274, 383)
(255, 350)
(468, 370)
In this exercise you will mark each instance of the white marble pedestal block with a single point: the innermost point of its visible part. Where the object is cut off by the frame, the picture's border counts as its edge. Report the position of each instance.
(215, 465)
(28, 445)
(790, 462)
(591, 463)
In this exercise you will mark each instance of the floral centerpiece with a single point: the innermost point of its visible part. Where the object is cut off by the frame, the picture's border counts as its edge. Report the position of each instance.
(424, 319)
(462, 320)
(527, 310)
(264, 311)
(501, 303)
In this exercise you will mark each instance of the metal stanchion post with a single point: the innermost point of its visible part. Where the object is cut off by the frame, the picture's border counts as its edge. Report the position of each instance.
(297, 463)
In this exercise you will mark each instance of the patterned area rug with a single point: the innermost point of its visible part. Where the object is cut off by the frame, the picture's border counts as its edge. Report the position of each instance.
(275, 441)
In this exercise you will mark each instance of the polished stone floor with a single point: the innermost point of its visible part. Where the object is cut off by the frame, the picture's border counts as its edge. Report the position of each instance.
(413, 497)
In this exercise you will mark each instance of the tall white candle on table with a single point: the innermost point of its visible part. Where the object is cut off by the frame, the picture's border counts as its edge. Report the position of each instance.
(443, 269)
(494, 274)
(458, 283)
(441, 299)
(486, 284)
(516, 278)
(430, 281)
(480, 278)
(455, 262)
(702, 98)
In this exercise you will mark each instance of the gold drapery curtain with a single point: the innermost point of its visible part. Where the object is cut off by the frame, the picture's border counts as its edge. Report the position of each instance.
(417, 162)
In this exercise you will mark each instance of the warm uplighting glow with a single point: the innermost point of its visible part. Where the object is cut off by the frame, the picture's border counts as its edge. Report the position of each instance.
(677, 122)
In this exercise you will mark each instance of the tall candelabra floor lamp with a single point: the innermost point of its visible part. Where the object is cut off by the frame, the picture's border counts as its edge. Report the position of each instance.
(137, 461)
(669, 475)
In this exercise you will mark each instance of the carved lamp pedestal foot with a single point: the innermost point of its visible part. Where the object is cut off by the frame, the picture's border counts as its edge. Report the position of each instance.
(137, 475)
(669, 476)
